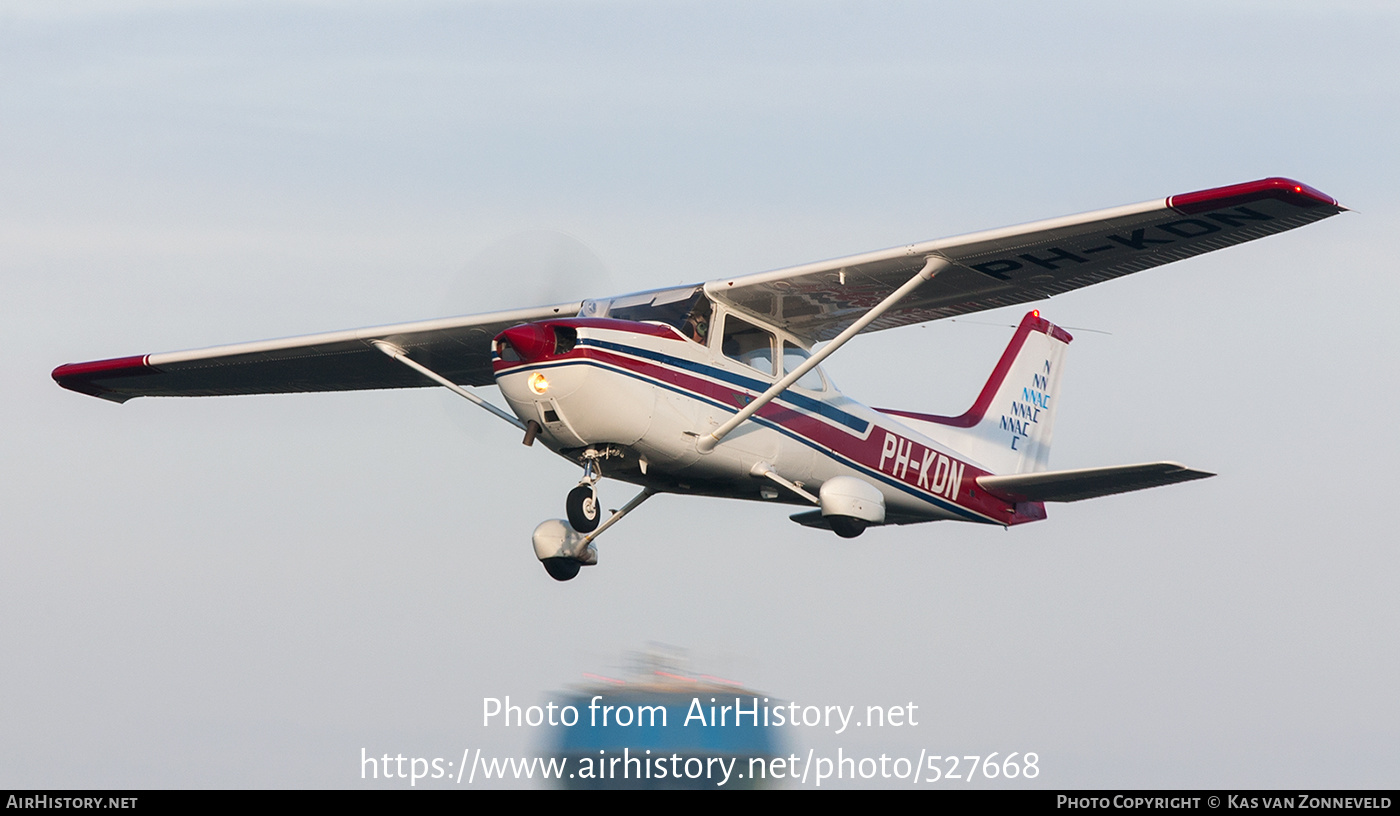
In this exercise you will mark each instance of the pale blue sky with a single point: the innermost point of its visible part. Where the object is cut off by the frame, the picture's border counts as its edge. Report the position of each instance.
(246, 591)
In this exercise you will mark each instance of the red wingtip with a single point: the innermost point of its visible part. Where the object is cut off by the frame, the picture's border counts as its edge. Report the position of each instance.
(83, 377)
(1293, 192)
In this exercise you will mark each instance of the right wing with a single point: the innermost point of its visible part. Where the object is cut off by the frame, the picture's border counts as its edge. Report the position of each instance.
(815, 301)
(459, 348)
(1012, 265)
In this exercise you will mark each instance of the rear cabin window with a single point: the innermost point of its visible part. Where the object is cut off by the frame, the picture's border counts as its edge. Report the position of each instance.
(748, 344)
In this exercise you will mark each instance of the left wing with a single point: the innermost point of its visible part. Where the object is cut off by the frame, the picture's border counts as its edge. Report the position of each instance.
(459, 348)
(1014, 265)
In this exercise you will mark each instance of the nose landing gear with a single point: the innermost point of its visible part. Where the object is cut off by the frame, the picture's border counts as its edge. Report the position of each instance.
(582, 504)
(582, 508)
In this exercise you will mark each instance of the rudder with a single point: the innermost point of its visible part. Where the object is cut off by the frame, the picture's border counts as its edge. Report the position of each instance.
(1008, 428)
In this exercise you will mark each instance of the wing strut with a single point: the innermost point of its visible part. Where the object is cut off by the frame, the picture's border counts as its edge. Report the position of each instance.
(402, 356)
(934, 265)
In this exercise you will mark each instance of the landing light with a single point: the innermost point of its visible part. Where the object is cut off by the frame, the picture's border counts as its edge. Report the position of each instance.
(538, 383)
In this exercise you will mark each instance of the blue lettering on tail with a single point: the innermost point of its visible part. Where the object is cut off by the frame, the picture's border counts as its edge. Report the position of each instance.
(1015, 426)
(1036, 398)
(1025, 411)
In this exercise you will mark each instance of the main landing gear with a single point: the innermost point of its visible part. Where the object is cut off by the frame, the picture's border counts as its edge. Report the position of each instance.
(563, 547)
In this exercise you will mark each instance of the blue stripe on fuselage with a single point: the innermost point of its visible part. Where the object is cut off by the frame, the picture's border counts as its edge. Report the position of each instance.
(970, 515)
(809, 404)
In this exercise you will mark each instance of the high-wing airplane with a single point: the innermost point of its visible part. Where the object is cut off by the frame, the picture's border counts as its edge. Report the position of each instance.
(714, 389)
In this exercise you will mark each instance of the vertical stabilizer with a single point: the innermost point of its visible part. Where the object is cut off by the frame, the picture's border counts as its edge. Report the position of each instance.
(1008, 428)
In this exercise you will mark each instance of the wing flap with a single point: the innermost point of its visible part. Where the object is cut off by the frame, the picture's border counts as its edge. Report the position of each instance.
(1014, 265)
(459, 348)
(1087, 483)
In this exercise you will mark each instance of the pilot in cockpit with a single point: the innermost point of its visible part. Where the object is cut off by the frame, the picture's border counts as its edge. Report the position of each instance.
(697, 323)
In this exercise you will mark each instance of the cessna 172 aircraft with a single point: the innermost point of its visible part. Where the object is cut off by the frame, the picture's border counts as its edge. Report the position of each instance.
(713, 388)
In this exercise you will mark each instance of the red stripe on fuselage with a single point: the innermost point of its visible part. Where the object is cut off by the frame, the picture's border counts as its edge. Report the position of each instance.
(865, 453)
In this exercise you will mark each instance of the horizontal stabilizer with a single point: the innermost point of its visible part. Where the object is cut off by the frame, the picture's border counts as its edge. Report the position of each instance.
(1088, 483)
(811, 518)
(814, 518)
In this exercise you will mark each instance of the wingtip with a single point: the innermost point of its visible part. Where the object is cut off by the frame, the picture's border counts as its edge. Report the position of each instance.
(84, 378)
(1285, 189)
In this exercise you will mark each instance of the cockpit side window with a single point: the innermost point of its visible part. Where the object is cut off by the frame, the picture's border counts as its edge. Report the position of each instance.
(794, 356)
(748, 344)
(697, 324)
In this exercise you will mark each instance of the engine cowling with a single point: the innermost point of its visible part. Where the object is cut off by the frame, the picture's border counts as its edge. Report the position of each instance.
(552, 376)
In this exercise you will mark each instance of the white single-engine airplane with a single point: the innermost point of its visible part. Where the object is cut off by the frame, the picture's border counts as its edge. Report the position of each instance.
(712, 389)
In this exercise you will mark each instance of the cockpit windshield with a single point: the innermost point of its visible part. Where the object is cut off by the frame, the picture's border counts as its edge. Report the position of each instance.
(684, 307)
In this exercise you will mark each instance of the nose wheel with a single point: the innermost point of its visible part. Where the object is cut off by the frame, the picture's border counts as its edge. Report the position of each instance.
(582, 504)
(582, 508)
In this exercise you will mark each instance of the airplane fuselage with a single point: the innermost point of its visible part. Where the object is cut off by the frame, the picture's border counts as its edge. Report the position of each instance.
(646, 392)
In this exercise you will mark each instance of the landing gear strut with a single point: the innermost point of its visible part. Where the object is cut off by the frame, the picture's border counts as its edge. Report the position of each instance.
(582, 504)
